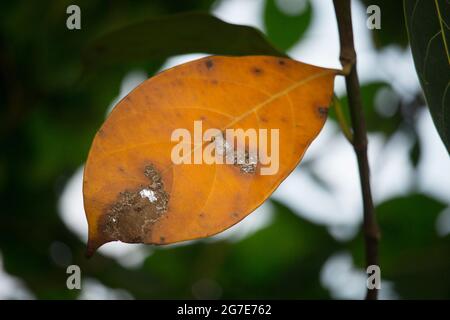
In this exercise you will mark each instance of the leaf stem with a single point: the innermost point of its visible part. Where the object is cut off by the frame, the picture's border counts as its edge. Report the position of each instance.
(345, 69)
(341, 119)
(348, 58)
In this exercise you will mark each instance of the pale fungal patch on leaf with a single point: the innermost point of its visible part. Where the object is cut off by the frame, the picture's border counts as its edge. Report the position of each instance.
(223, 147)
(149, 194)
(131, 217)
(247, 163)
(245, 160)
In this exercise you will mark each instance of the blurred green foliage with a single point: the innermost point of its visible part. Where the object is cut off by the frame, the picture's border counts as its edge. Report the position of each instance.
(52, 104)
(376, 122)
(412, 255)
(171, 37)
(284, 29)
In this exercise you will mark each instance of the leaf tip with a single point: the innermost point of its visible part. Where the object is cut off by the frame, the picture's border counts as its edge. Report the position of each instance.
(92, 246)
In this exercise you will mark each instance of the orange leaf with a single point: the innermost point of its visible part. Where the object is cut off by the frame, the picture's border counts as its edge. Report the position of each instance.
(133, 190)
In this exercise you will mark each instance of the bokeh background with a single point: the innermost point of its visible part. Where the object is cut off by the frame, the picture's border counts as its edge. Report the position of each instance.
(304, 242)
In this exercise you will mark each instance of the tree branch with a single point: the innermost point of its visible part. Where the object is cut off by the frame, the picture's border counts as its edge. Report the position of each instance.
(348, 61)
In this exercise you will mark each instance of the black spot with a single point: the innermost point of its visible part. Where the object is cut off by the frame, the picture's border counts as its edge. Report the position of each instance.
(257, 70)
(281, 62)
(209, 64)
(323, 112)
(264, 119)
(235, 214)
(162, 239)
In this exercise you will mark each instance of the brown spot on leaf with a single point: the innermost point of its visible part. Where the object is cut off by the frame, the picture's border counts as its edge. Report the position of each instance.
(178, 82)
(131, 218)
(322, 111)
(101, 133)
(257, 71)
(209, 64)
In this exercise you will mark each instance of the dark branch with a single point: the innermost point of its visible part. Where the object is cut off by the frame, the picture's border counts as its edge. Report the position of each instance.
(348, 60)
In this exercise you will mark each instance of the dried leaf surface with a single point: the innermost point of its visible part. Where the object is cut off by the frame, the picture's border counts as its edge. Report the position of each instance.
(133, 191)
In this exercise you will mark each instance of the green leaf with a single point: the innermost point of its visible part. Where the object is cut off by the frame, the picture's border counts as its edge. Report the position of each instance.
(284, 30)
(429, 34)
(376, 122)
(412, 255)
(176, 34)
